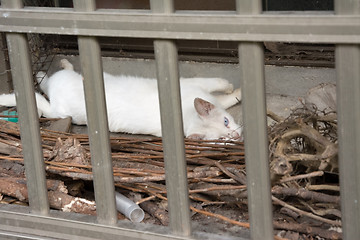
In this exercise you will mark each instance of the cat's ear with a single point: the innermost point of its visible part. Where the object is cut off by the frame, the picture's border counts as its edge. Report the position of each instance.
(203, 107)
(196, 136)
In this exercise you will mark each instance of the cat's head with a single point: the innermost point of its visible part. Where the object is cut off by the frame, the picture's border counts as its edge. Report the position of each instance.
(215, 122)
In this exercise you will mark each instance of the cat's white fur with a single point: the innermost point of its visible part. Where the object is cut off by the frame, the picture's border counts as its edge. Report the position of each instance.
(133, 105)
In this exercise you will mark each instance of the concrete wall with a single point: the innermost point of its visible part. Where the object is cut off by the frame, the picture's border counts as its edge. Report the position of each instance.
(287, 81)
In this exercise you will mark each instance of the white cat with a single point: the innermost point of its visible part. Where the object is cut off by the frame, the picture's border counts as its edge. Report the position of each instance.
(133, 105)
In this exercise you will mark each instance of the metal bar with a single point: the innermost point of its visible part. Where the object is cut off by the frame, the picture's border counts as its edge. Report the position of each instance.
(5, 76)
(172, 128)
(91, 64)
(348, 107)
(16, 220)
(21, 70)
(248, 7)
(162, 7)
(227, 27)
(251, 59)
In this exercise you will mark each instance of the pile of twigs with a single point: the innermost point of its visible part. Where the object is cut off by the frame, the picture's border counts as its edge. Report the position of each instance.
(216, 177)
(304, 149)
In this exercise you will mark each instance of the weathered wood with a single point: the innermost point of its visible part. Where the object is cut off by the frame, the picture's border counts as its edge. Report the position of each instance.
(57, 193)
(67, 203)
(158, 212)
(10, 148)
(61, 125)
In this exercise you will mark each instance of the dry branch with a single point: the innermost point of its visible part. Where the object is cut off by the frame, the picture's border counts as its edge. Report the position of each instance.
(57, 193)
(301, 176)
(305, 194)
(313, 231)
(153, 209)
(215, 169)
(301, 212)
(67, 203)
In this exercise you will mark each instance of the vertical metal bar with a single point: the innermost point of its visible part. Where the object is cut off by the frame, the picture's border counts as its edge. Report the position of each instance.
(172, 128)
(90, 58)
(161, 6)
(5, 79)
(29, 126)
(28, 117)
(248, 6)
(251, 57)
(348, 107)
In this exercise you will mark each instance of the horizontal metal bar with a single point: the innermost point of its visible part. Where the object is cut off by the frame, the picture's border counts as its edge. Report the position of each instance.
(231, 27)
(15, 220)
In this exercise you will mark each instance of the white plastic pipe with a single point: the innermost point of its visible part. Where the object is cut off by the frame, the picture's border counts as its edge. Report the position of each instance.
(127, 207)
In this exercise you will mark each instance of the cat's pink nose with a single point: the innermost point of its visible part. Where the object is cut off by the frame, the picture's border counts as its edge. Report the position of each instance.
(235, 135)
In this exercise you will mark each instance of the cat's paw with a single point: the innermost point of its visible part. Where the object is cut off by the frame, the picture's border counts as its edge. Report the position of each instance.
(196, 136)
(226, 87)
(65, 64)
(229, 88)
(40, 76)
(237, 94)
